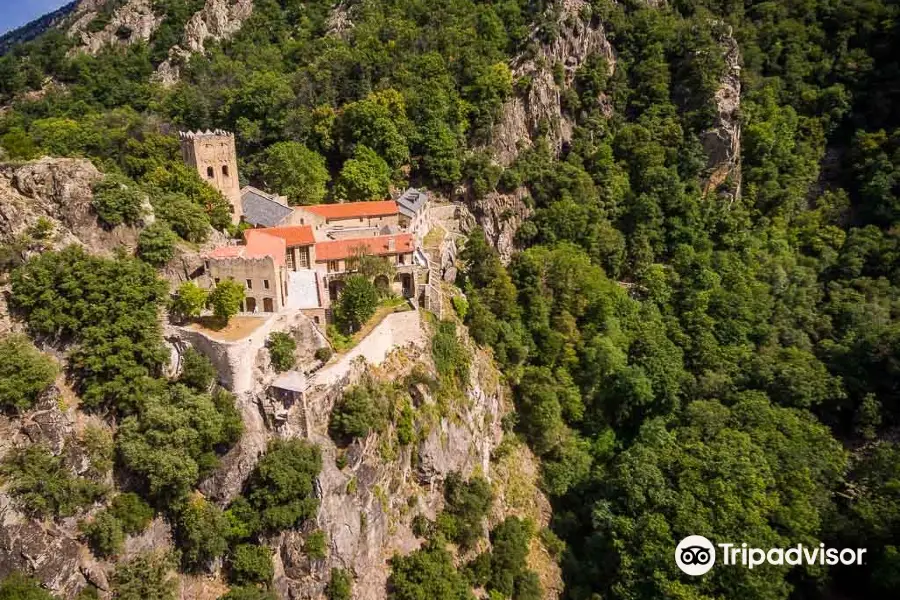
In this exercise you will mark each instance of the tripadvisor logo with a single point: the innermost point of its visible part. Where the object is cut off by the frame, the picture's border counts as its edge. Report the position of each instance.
(696, 555)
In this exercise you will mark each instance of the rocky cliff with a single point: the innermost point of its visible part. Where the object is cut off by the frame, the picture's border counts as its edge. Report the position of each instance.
(132, 22)
(722, 142)
(539, 107)
(217, 20)
(57, 191)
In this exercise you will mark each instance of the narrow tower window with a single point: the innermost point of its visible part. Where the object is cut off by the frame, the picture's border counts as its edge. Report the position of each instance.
(225, 170)
(209, 172)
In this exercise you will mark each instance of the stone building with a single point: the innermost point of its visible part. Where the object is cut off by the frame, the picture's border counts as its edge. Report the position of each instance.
(259, 265)
(214, 156)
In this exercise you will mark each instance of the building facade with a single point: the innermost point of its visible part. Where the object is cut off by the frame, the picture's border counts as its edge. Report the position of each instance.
(213, 155)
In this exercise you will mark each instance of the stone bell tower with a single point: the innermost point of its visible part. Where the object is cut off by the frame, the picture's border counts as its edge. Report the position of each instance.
(214, 156)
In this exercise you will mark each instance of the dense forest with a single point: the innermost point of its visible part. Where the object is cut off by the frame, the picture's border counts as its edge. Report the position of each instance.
(684, 361)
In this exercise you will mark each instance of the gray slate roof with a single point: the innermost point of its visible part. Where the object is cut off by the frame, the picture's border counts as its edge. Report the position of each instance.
(412, 202)
(260, 209)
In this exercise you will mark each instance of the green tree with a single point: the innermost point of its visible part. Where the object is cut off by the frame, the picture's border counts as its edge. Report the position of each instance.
(295, 171)
(197, 372)
(17, 586)
(280, 489)
(281, 349)
(200, 528)
(427, 573)
(466, 506)
(226, 299)
(186, 218)
(118, 200)
(362, 409)
(104, 534)
(190, 300)
(340, 586)
(149, 576)
(366, 176)
(25, 373)
(316, 545)
(251, 564)
(42, 484)
(156, 244)
(357, 303)
(132, 512)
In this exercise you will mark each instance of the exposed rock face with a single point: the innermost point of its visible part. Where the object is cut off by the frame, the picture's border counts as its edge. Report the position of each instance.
(541, 106)
(131, 23)
(722, 143)
(217, 20)
(367, 507)
(500, 216)
(50, 551)
(59, 190)
(339, 22)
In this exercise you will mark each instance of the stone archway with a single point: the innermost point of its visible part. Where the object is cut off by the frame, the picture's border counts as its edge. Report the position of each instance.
(382, 284)
(251, 304)
(268, 305)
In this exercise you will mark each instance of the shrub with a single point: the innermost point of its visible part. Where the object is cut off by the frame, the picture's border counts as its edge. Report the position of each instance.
(361, 410)
(251, 564)
(156, 244)
(248, 592)
(406, 431)
(43, 485)
(149, 576)
(17, 586)
(324, 353)
(25, 373)
(461, 306)
(316, 545)
(226, 299)
(104, 534)
(281, 487)
(197, 372)
(357, 303)
(340, 587)
(132, 512)
(118, 200)
(451, 358)
(99, 446)
(281, 348)
(467, 504)
(200, 530)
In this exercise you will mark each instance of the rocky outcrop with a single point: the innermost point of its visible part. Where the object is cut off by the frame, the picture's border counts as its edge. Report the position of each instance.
(129, 24)
(58, 190)
(722, 142)
(217, 20)
(500, 216)
(539, 107)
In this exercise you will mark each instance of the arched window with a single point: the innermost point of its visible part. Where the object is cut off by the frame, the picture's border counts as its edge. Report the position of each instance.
(225, 170)
(209, 172)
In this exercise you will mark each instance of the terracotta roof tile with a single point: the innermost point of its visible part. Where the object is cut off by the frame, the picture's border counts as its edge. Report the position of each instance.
(259, 245)
(294, 235)
(348, 210)
(377, 246)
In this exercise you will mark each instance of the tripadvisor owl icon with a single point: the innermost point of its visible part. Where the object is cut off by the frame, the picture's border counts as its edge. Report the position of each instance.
(695, 555)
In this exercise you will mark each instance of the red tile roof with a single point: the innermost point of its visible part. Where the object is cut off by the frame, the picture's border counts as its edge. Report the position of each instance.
(296, 235)
(348, 210)
(259, 245)
(377, 246)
